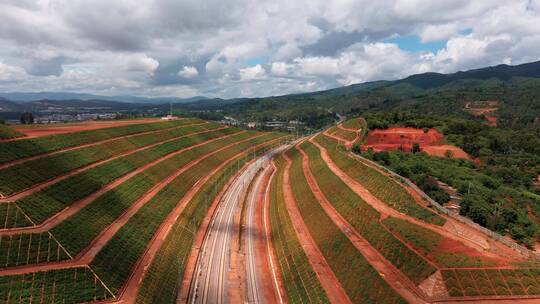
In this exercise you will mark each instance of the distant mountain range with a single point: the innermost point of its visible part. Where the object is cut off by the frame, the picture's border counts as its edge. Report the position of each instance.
(24, 101)
(22, 97)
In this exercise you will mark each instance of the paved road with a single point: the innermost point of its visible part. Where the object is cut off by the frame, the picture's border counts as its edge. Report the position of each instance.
(254, 284)
(211, 275)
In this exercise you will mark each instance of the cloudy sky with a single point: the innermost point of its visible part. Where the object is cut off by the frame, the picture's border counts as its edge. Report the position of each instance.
(247, 48)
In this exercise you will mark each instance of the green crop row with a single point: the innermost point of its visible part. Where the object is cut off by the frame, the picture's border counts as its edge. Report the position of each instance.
(365, 219)
(164, 275)
(11, 216)
(298, 277)
(74, 285)
(347, 263)
(23, 249)
(23, 175)
(43, 204)
(7, 132)
(77, 231)
(13, 150)
(492, 282)
(420, 237)
(116, 260)
(383, 187)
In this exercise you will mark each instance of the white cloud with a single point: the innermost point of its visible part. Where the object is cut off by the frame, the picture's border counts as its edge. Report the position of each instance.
(188, 72)
(10, 73)
(203, 46)
(252, 73)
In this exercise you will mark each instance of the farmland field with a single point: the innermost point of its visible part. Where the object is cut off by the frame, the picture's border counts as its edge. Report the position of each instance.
(114, 214)
(347, 263)
(81, 236)
(299, 278)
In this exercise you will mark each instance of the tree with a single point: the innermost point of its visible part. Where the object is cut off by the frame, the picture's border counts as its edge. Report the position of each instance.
(27, 118)
(415, 148)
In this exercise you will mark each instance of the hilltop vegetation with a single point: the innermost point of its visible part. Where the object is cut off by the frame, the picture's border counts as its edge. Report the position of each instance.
(498, 188)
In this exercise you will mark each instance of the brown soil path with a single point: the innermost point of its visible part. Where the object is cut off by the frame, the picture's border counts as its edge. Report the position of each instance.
(329, 282)
(51, 153)
(463, 232)
(87, 255)
(130, 289)
(388, 271)
(388, 211)
(77, 206)
(36, 187)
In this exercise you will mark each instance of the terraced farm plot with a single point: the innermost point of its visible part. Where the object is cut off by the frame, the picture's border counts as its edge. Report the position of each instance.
(348, 264)
(383, 187)
(298, 277)
(112, 228)
(492, 282)
(20, 149)
(74, 285)
(23, 175)
(167, 268)
(343, 134)
(77, 231)
(45, 203)
(114, 262)
(354, 123)
(365, 219)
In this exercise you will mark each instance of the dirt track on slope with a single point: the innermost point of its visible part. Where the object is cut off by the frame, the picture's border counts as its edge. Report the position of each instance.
(390, 273)
(36, 187)
(77, 206)
(87, 255)
(386, 210)
(329, 282)
(22, 160)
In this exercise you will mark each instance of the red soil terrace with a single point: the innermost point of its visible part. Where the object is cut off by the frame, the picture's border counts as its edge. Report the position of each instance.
(404, 138)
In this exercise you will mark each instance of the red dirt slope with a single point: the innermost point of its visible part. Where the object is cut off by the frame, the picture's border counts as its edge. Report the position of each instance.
(404, 138)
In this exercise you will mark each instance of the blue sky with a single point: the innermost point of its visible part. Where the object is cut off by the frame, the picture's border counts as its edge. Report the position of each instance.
(412, 43)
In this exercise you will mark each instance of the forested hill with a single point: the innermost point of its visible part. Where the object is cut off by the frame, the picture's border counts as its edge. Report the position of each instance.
(516, 88)
(501, 72)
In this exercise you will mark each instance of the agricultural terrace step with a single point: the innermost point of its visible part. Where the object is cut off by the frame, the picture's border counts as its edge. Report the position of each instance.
(14, 150)
(74, 205)
(335, 246)
(24, 178)
(114, 210)
(115, 262)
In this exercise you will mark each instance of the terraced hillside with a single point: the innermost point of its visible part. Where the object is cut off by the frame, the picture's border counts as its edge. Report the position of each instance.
(109, 214)
(344, 222)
